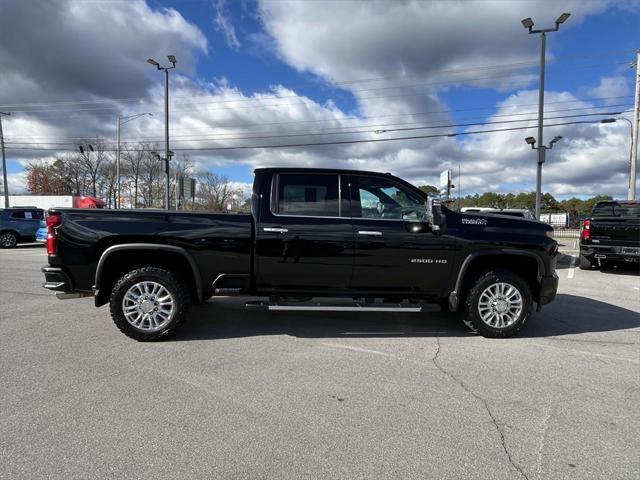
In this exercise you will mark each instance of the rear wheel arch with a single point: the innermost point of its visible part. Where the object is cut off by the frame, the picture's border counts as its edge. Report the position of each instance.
(117, 260)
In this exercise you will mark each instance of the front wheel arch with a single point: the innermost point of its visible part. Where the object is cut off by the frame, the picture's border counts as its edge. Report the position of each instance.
(524, 263)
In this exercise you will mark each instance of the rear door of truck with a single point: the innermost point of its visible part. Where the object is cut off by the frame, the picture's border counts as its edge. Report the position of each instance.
(304, 234)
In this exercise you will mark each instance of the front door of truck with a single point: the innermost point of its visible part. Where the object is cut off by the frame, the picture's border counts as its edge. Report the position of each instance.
(394, 251)
(304, 237)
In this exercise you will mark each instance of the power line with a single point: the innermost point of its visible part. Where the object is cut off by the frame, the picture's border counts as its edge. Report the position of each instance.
(309, 134)
(305, 101)
(224, 135)
(342, 142)
(523, 64)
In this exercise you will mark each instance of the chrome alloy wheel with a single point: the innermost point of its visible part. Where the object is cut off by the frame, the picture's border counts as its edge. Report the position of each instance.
(500, 305)
(8, 240)
(148, 306)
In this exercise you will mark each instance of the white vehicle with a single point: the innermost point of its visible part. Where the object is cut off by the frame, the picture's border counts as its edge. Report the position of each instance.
(512, 212)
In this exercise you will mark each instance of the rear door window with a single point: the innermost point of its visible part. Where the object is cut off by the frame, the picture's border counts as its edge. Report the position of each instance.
(19, 215)
(308, 195)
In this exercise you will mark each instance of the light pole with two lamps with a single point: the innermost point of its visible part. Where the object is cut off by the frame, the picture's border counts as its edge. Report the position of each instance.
(542, 154)
(528, 24)
(172, 59)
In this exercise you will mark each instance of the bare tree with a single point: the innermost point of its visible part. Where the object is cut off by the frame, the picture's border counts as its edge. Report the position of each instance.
(91, 161)
(133, 165)
(215, 192)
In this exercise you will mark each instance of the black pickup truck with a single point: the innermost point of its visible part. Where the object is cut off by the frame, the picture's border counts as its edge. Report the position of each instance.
(369, 237)
(611, 234)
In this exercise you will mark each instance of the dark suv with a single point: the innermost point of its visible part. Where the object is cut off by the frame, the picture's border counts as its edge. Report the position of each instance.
(19, 224)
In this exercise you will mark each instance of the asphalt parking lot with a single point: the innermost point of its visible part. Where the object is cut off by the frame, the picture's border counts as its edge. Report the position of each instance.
(252, 394)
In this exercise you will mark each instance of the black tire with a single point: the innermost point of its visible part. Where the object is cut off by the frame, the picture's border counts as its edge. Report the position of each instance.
(585, 263)
(8, 240)
(471, 315)
(177, 290)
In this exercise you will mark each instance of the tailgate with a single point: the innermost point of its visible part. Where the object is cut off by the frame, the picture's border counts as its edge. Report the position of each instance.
(616, 231)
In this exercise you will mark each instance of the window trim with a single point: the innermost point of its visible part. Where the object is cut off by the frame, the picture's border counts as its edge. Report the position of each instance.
(275, 183)
(355, 198)
(275, 187)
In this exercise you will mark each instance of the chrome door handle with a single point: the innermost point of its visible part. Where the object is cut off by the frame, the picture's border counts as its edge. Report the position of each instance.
(370, 233)
(275, 229)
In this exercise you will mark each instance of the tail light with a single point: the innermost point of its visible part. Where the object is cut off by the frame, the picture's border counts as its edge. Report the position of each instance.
(585, 231)
(53, 220)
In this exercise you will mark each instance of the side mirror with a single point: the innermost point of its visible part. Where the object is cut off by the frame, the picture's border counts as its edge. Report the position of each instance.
(435, 217)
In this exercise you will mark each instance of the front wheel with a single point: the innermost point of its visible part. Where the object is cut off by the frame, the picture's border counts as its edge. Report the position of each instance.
(149, 304)
(499, 304)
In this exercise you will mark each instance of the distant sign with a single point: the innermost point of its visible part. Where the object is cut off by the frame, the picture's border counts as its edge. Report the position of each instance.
(445, 183)
(555, 219)
(187, 187)
(445, 178)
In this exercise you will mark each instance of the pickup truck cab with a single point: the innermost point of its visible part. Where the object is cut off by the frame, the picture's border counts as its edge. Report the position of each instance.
(611, 234)
(367, 236)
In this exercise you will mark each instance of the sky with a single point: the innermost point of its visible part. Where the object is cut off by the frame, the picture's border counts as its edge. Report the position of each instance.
(350, 75)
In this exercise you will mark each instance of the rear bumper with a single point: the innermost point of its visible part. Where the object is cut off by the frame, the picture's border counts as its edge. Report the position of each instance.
(610, 252)
(56, 279)
(548, 288)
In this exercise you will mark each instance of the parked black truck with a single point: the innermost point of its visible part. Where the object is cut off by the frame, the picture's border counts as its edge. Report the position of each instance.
(611, 234)
(366, 236)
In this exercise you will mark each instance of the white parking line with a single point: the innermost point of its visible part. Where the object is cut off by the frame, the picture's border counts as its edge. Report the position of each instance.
(572, 267)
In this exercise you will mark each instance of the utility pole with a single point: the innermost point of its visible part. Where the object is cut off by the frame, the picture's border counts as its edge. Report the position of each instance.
(634, 134)
(167, 155)
(117, 205)
(4, 165)
(528, 24)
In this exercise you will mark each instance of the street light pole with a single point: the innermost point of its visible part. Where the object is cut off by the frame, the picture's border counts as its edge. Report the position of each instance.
(172, 59)
(5, 183)
(541, 151)
(117, 205)
(634, 134)
(166, 132)
(528, 24)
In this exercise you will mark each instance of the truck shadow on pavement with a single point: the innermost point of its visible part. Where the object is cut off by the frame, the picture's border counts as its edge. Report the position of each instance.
(228, 318)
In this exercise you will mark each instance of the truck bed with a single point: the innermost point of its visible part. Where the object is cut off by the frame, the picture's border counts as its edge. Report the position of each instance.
(213, 243)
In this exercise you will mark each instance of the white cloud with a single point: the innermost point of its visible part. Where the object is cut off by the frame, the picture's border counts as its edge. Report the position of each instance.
(223, 24)
(615, 86)
(351, 40)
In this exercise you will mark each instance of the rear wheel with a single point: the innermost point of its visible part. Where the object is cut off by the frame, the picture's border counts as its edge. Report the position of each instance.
(8, 240)
(585, 263)
(149, 304)
(499, 304)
